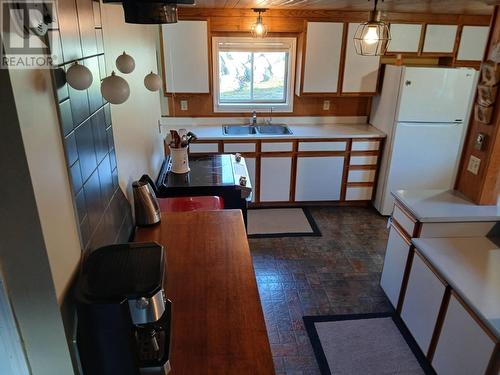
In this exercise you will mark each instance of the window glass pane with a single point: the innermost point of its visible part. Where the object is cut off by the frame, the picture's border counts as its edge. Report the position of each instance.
(269, 72)
(235, 76)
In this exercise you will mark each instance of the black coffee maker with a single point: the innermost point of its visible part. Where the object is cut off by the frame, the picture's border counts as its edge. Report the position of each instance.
(123, 315)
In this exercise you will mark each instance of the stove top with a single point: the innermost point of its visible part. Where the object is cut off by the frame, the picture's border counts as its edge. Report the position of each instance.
(214, 170)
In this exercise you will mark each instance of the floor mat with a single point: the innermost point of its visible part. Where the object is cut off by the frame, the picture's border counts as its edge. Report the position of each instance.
(365, 344)
(281, 222)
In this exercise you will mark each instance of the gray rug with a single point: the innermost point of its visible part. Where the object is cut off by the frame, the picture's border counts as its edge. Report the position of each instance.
(281, 222)
(371, 344)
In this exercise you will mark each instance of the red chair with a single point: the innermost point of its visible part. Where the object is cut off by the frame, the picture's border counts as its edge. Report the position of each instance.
(180, 204)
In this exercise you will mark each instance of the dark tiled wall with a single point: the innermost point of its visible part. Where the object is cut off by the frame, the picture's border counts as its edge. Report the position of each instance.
(103, 211)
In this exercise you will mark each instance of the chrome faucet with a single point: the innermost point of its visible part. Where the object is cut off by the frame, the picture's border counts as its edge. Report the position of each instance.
(254, 118)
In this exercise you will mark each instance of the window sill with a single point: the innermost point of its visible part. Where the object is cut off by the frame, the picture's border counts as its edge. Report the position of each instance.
(259, 108)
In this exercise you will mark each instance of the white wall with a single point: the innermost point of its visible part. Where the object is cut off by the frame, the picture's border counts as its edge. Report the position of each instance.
(36, 109)
(138, 144)
(40, 247)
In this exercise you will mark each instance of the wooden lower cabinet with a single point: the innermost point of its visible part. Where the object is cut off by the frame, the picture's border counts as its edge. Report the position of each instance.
(396, 256)
(300, 171)
(463, 347)
(275, 175)
(422, 301)
(319, 178)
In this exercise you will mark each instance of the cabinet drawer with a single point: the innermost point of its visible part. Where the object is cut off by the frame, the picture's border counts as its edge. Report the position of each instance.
(239, 147)
(421, 302)
(203, 148)
(276, 146)
(363, 160)
(361, 175)
(396, 255)
(359, 193)
(322, 146)
(404, 220)
(463, 347)
(365, 145)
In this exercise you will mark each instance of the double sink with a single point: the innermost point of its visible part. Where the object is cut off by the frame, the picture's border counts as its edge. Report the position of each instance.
(274, 129)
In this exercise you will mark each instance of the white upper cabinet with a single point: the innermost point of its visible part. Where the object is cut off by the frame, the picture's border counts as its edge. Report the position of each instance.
(473, 42)
(404, 37)
(440, 38)
(185, 56)
(322, 57)
(360, 72)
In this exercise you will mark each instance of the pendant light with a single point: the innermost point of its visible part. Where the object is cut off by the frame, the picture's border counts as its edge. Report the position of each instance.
(125, 63)
(115, 89)
(259, 30)
(79, 76)
(372, 37)
(153, 82)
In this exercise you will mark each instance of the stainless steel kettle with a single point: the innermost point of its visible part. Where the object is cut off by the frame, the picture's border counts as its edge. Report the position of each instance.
(147, 209)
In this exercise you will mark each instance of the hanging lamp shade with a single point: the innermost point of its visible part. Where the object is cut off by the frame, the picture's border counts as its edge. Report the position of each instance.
(372, 38)
(259, 30)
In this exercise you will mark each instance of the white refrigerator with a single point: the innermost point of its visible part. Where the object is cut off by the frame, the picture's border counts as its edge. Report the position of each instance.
(425, 112)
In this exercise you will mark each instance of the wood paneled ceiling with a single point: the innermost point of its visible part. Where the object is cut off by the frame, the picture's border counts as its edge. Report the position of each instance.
(412, 6)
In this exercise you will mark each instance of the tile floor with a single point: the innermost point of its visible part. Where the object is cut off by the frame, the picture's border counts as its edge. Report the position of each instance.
(337, 273)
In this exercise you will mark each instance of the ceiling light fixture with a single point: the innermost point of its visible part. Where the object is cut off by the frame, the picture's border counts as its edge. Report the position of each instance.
(372, 37)
(259, 30)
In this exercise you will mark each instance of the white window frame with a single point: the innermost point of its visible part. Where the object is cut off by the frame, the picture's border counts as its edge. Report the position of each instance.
(261, 45)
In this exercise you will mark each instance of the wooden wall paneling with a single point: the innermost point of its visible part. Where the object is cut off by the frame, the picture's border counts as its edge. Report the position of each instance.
(483, 188)
(343, 53)
(202, 106)
(279, 15)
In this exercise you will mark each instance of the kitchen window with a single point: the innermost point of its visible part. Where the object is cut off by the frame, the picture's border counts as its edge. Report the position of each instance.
(252, 74)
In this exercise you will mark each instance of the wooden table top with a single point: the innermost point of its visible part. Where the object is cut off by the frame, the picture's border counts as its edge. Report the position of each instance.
(217, 322)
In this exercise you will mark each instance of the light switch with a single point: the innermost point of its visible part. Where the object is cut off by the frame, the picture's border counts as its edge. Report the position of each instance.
(184, 105)
(474, 163)
(326, 105)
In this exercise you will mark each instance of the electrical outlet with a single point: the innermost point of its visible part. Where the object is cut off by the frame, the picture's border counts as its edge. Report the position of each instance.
(326, 105)
(184, 105)
(474, 163)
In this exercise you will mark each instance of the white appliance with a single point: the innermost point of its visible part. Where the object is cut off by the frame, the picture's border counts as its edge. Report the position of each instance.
(424, 111)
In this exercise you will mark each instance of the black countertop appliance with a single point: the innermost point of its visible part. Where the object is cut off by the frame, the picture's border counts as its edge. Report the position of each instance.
(223, 175)
(124, 317)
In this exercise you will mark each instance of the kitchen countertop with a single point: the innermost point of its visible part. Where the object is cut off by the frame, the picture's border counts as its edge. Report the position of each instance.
(218, 325)
(209, 132)
(471, 266)
(444, 206)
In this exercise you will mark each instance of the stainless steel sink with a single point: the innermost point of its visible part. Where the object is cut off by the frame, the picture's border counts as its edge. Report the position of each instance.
(238, 130)
(275, 129)
(272, 129)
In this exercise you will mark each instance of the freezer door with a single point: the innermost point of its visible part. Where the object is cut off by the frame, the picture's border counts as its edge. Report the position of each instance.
(436, 94)
(424, 156)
